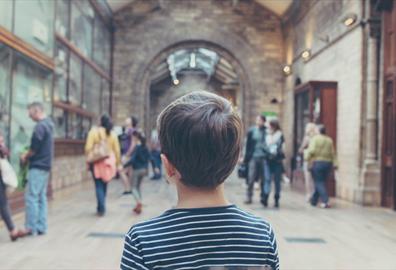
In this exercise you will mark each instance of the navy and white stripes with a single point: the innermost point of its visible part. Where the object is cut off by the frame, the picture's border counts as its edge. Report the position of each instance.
(201, 238)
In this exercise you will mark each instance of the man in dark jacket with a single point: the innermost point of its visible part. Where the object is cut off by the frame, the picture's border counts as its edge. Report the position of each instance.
(255, 158)
(40, 156)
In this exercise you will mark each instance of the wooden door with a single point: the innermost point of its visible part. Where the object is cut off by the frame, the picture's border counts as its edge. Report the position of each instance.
(388, 192)
(328, 117)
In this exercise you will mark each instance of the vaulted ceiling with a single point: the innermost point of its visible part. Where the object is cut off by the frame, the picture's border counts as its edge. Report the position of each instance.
(277, 6)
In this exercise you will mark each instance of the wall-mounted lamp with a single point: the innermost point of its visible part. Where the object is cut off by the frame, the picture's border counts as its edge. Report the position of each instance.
(176, 81)
(306, 55)
(349, 19)
(287, 70)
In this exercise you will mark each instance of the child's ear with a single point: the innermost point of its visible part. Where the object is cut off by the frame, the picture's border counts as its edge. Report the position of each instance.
(170, 170)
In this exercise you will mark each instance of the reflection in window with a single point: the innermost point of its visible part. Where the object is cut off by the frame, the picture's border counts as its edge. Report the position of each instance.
(86, 126)
(5, 92)
(75, 80)
(6, 14)
(59, 117)
(105, 96)
(74, 128)
(61, 62)
(31, 83)
(62, 17)
(102, 45)
(81, 26)
(34, 23)
(91, 90)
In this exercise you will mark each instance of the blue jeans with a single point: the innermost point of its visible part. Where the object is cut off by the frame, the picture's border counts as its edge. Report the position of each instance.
(275, 172)
(36, 201)
(101, 190)
(156, 162)
(320, 172)
(258, 169)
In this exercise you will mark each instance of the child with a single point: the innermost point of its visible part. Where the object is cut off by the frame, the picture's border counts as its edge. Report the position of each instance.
(139, 161)
(200, 136)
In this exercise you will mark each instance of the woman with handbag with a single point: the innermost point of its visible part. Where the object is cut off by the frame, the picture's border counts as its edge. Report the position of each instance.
(275, 156)
(4, 207)
(102, 149)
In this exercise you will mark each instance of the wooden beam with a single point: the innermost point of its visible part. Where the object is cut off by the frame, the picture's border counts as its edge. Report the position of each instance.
(26, 49)
(76, 51)
(73, 109)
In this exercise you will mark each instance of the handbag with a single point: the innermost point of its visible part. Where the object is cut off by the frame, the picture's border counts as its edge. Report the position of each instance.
(8, 174)
(99, 151)
(243, 171)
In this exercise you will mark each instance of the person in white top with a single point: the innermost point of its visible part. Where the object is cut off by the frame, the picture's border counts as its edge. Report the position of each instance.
(275, 155)
(310, 131)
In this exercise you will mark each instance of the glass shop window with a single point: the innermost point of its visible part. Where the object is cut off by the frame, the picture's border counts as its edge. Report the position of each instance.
(59, 116)
(75, 80)
(5, 76)
(105, 96)
(82, 16)
(91, 90)
(62, 17)
(101, 45)
(61, 69)
(6, 14)
(31, 83)
(34, 23)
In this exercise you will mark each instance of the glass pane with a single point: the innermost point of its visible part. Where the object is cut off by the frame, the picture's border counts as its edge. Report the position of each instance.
(74, 126)
(59, 117)
(91, 90)
(105, 96)
(62, 17)
(302, 116)
(5, 76)
(75, 80)
(86, 126)
(31, 83)
(102, 45)
(6, 14)
(34, 23)
(61, 62)
(82, 26)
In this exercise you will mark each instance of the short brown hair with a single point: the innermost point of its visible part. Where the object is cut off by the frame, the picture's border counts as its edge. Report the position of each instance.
(200, 134)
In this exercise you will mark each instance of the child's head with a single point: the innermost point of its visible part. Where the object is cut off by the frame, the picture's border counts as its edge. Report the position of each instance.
(200, 137)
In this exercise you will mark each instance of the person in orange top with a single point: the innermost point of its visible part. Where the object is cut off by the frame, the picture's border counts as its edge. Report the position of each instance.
(95, 135)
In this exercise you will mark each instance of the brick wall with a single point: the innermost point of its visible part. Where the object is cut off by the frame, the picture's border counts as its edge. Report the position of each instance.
(246, 32)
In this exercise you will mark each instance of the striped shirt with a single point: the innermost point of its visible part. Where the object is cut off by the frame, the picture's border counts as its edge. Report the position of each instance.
(201, 238)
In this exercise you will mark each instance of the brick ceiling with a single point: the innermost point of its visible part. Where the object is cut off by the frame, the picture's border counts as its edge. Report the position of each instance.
(277, 6)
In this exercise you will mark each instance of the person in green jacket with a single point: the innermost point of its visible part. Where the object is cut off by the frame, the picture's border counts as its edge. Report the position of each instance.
(321, 155)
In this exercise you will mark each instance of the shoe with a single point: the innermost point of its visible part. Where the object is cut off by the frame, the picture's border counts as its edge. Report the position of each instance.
(127, 192)
(264, 203)
(248, 201)
(325, 205)
(17, 235)
(41, 233)
(138, 208)
(24, 233)
(100, 214)
(276, 204)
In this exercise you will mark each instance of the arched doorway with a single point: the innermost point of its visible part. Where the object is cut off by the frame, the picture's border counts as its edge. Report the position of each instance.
(190, 66)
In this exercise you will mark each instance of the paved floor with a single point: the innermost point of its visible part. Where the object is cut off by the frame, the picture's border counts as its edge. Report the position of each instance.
(345, 237)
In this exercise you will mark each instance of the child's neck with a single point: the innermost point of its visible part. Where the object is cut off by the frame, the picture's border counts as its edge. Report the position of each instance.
(189, 197)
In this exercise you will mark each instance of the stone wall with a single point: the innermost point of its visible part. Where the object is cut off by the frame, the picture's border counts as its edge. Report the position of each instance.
(247, 32)
(337, 55)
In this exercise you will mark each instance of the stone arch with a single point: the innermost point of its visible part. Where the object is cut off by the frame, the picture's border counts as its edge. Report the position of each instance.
(245, 85)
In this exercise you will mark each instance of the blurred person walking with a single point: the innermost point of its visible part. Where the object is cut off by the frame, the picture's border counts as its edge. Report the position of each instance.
(155, 154)
(4, 207)
(40, 157)
(275, 156)
(103, 153)
(310, 131)
(139, 161)
(321, 155)
(255, 158)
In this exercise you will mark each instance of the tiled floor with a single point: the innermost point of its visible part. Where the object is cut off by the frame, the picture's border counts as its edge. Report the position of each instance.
(345, 237)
